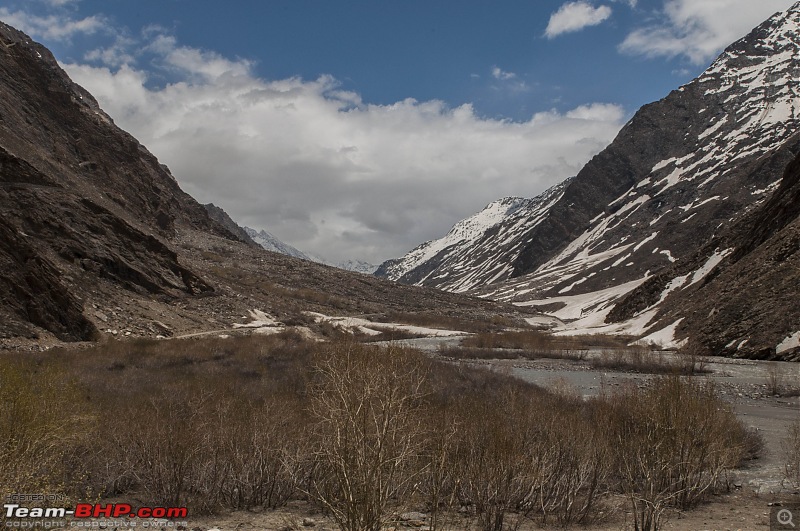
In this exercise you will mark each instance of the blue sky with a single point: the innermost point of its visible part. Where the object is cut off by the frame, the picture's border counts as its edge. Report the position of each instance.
(359, 129)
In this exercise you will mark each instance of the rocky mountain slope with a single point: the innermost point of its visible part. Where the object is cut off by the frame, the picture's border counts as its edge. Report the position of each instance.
(746, 306)
(681, 172)
(97, 238)
(79, 198)
(220, 216)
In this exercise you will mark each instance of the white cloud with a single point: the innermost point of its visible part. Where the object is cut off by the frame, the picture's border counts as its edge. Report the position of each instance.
(500, 74)
(699, 30)
(574, 16)
(52, 27)
(508, 82)
(327, 172)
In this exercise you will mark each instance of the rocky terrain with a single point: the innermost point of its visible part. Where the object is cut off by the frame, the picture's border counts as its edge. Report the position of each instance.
(650, 210)
(97, 238)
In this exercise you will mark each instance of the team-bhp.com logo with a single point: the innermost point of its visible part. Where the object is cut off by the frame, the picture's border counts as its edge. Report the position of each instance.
(96, 510)
(116, 515)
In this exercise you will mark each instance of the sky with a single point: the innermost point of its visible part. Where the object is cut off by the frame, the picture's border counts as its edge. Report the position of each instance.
(359, 129)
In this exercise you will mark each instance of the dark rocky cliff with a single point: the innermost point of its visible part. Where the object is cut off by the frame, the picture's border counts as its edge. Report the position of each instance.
(80, 199)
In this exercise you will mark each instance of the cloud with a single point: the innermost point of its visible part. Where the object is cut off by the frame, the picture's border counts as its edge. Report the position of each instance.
(313, 163)
(53, 27)
(574, 16)
(502, 75)
(699, 30)
(508, 83)
(329, 173)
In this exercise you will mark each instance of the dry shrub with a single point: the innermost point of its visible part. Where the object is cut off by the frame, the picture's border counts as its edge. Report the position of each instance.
(254, 421)
(791, 455)
(44, 428)
(543, 343)
(199, 444)
(506, 451)
(641, 359)
(368, 433)
(491, 461)
(673, 443)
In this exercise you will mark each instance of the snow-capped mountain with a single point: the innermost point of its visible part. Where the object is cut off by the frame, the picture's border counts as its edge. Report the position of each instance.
(682, 172)
(477, 249)
(357, 266)
(271, 243)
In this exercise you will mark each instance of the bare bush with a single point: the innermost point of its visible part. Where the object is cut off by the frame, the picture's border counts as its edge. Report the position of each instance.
(44, 429)
(774, 379)
(224, 424)
(673, 442)
(791, 455)
(367, 429)
(518, 458)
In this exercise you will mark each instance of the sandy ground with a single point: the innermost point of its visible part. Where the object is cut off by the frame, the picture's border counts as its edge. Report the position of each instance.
(736, 511)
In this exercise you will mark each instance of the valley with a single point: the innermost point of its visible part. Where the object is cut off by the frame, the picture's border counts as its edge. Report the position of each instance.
(618, 352)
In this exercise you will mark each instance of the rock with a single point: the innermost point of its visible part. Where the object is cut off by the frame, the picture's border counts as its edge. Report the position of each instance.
(309, 522)
(405, 517)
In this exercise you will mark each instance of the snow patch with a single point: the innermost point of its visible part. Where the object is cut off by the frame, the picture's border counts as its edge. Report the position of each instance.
(641, 243)
(260, 320)
(666, 336)
(351, 324)
(668, 254)
(710, 264)
(793, 341)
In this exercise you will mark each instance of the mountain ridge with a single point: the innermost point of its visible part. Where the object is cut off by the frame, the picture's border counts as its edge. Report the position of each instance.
(678, 173)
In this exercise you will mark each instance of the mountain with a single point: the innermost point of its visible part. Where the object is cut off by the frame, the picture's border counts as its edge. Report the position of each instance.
(220, 216)
(678, 175)
(97, 239)
(357, 266)
(81, 200)
(478, 249)
(271, 243)
(746, 306)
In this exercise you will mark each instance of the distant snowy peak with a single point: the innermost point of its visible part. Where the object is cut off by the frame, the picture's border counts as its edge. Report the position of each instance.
(271, 243)
(357, 266)
(464, 232)
(465, 247)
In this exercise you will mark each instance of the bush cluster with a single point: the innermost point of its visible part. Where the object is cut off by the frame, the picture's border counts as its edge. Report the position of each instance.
(361, 431)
